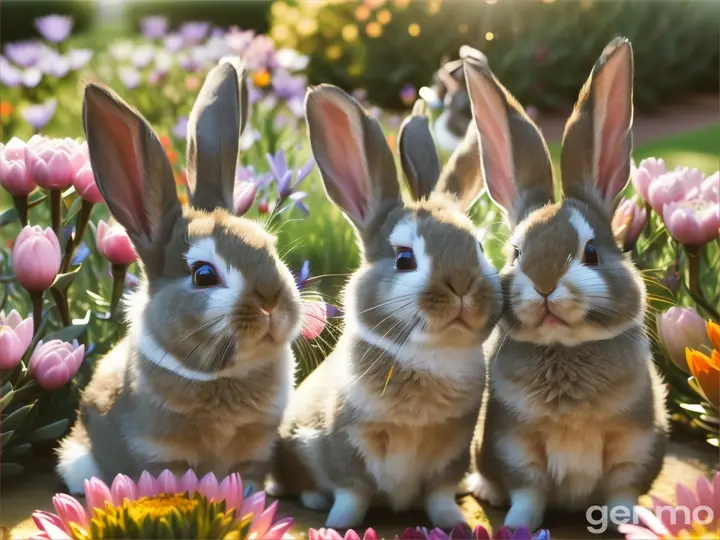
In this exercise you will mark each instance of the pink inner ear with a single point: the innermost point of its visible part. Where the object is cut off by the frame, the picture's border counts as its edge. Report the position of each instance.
(490, 115)
(612, 93)
(123, 155)
(345, 153)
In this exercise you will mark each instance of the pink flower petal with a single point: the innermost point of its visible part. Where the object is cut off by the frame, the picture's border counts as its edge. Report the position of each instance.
(704, 492)
(651, 521)
(254, 504)
(261, 523)
(685, 497)
(69, 510)
(123, 488)
(351, 535)
(314, 318)
(371, 534)
(167, 483)
(97, 493)
(51, 525)
(147, 485)
(278, 530)
(231, 489)
(189, 481)
(635, 532)
(209, 487)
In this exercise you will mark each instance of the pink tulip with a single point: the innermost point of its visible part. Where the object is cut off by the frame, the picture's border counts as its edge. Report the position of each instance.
(314, 318)
(15, 337)
(54, 163)
(673, 186)
(14, 174)
(36, 258)
(709, 190)
(628, 221)
(114, 244)
(243, 197)
(692, 223)
(54, 363)
(644, 174)
(679, 328)
(84, 183)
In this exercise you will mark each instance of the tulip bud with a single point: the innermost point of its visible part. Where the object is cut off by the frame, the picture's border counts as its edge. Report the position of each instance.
(114, 244)
(36, 258)
(54, 363)
(263, 207)
(244, 197)
(15, 337)
(628, 222)
(14, 174)
(679, 328)
(84, 183)
(314, 318)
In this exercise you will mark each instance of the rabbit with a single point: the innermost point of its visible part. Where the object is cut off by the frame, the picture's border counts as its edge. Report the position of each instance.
(205, 372)
(388, 417)
(576, 412)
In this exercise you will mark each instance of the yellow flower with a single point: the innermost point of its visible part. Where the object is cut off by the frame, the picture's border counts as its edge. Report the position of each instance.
(713, 332)
(261, 78)
(350, 33)
(384, 16)
(333, 52)
(434, 6)
(373, 29)
(307, 26)
(489, 36)
(281, 32)
(401, 4)
(362, 13)
(414, 29)
(706, 370)
(278, 9)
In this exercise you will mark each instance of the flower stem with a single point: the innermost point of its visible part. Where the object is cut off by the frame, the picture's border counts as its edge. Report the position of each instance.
(693, 255)
(56, 210)
(21, 205)
(81, 222)
(36, 297)
(62, 305)
(118, 272)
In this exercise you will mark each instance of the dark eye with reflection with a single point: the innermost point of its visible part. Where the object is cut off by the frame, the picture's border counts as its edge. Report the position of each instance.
(405, 259)
(204, 275)
(590, 255)
(516, 254)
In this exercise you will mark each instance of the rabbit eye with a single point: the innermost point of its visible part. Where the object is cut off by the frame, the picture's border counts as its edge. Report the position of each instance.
(590, 256)
(516, 254)
(204, 275)
(405, 259)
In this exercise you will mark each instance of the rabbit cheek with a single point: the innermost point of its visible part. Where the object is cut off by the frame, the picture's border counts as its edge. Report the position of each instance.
(527, 305)
(582, 289)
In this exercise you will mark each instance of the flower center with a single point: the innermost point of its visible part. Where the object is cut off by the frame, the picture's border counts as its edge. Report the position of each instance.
(161, 506)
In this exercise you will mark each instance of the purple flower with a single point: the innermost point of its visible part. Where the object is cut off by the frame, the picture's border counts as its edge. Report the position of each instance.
(81, 254)
(260, 53)
(333, 311)
(408, 93)
(173, 42)
(296, 201)
(304, 274)
(24, 53)
(38, 116)
(238, 40)
(194, 31)
(296, 106)
(217, 32)
(129, 76)
(284, 176)
(215, 48)
(153, 26)
(54, 28)
(287, 86)
(10, 76)
(31, 77)
(180, 128)
(248, 174)
(142, 56)
(54, 64)
(291, 60)
(78, 58)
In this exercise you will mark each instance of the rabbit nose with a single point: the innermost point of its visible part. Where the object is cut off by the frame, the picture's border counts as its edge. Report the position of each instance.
(460, 284)
(268, 304)
(544, 294)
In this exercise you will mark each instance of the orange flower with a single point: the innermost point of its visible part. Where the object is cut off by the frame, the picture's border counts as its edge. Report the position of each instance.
(183, 198)
(261, 78)
(713, 330)
(181, 178)
(391, 141)
(706, 370)
(6, 109)
(165, 141)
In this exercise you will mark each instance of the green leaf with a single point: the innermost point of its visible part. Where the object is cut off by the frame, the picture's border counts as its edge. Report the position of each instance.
(5, 436)
(8, 216)
(15, 420)
(7, 396)
(72, 211)
(63, 281)
(714, 441)
(50, 432)
(10, 469)
(693, 407)
(17, 450)
(67, 193)
(72, 332)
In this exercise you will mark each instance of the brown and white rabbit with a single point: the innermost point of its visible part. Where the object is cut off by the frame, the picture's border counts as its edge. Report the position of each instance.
(207, 368)
(576, 410)
(389, 416)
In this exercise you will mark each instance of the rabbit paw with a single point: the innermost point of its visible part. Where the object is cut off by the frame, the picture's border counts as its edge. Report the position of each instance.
(527, 510)
(442, 510)
(314, 500)
(348, 510)
(484, 490)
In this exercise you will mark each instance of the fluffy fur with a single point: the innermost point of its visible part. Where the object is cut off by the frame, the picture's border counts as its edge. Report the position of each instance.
(576, 410)
(205, 372)
(388, 417)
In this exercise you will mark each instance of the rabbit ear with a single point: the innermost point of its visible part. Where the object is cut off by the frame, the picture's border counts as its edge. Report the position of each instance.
(418, 156)
(216, 121)
(131, 169)
(597, 143)
(355, 161)
(462, 175)
(515, 160)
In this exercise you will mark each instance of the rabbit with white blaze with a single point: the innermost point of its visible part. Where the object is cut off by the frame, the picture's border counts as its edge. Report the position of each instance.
(576, 409)
(204, 374)
(388, 417)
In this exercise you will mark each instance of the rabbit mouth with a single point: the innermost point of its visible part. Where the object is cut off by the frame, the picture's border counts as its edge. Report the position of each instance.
(550, 320)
